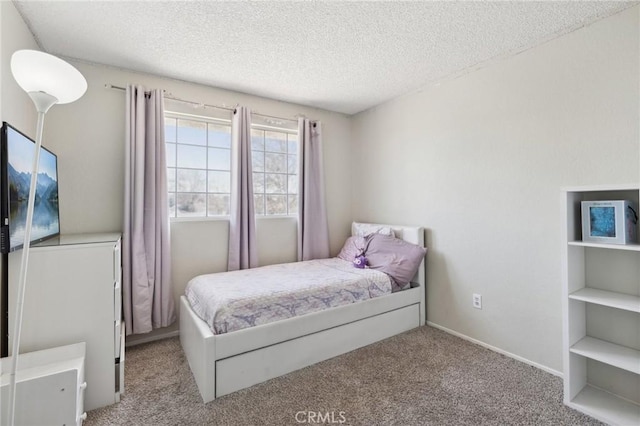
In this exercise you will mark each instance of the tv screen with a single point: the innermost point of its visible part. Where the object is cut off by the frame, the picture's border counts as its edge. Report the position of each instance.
(18, 151)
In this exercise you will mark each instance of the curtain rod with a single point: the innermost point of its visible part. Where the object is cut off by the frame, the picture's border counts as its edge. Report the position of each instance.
(169, 96)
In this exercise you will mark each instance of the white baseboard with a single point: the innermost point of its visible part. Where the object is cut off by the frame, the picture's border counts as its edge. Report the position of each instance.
(159, 336)
(493, 348)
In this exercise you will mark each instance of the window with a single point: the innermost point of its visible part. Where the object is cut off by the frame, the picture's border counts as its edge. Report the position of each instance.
(275, 171)
(198, 165)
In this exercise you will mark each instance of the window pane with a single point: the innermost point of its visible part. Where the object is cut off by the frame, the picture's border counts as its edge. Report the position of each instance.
(192, 132)
(172, 205)
(219, 182)
(293, 204)
(219, 159)
(258, 203)
(292, 164)
(191, 181)
(275, 141)
(171, 180)
(171, 154)
(192, 157)
(257, 139)
(218, 205)
(191, 205)
(257, 161)
(219, 135)
(275, 184)
(258, 183)
(292, 187)
(275, 163)
(170, 129)
(292, 140)
(276, 204)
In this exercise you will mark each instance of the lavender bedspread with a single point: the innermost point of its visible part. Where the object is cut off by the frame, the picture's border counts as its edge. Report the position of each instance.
(231, 301)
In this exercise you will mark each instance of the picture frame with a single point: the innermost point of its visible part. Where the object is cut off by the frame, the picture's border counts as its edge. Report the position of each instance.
(610, 222)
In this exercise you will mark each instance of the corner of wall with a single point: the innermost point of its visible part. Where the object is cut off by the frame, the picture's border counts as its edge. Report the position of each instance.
(15, 106)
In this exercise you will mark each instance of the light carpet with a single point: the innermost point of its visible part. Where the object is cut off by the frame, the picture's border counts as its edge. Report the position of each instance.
(421, 377)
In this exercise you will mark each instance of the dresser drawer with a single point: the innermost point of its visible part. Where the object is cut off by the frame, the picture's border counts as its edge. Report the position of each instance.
(117, 338)
(117, 301)
(117, 263)
(120, 367)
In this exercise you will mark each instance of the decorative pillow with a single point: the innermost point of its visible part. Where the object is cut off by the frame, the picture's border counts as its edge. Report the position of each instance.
(353, 247)
(364, 229)
(397, 258)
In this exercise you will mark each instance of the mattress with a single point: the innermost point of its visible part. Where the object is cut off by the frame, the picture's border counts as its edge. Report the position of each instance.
(231, 301)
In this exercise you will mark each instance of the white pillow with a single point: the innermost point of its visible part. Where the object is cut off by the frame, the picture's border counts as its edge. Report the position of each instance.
(364, 229)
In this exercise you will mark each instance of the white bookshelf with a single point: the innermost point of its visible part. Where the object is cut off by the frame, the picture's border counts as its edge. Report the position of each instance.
(601, 315)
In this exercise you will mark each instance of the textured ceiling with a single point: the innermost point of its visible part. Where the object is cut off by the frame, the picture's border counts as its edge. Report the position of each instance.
(340, 56)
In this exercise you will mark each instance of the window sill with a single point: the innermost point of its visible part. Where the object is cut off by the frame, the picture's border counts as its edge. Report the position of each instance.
(276, 216)
(226, 218)
(199, 219)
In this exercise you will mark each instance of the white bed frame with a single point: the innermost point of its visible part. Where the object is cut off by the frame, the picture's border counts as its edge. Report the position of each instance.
(225, 363)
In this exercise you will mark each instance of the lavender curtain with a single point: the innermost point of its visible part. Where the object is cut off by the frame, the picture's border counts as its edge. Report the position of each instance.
(313, 230)
(243, 251)
(146, 249)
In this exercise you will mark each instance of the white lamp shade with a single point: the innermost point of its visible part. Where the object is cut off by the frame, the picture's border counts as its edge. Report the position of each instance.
(37, 71)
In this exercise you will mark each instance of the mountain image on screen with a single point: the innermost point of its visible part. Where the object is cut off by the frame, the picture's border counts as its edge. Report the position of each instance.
(45, 214)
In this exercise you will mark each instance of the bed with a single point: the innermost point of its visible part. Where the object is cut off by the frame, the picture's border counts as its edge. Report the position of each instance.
(242, 357)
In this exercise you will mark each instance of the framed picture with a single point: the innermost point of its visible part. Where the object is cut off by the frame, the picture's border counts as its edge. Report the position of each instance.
(610, 222)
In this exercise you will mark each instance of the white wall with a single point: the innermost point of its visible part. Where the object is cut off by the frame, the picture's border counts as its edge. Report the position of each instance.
(480, 160)
(16, 107)
(88, 137)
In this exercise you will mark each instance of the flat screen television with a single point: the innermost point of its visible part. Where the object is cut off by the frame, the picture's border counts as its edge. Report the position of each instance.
(16, 161)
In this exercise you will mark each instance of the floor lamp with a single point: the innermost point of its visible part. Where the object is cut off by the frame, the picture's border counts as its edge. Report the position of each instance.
(48, 80)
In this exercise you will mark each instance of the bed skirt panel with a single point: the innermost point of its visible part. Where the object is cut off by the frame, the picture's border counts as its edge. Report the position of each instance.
(252, 338)
(250, 368)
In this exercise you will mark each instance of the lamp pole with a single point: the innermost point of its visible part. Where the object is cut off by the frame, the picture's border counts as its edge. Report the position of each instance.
(43, 101)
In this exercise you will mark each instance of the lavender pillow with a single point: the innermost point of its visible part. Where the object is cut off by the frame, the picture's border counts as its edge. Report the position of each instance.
(397, 258)
(353, 247)
(364, 229)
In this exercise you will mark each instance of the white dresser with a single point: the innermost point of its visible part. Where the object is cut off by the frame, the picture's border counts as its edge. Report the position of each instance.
(73, 295)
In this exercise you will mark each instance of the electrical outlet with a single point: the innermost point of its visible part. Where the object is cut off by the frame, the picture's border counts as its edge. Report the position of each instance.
(477, 301)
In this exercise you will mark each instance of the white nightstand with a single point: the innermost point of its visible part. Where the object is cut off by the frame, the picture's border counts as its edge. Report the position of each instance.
(50, 387)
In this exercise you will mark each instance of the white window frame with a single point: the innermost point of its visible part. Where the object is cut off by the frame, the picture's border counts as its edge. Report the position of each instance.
(287, 131)
(227, 122)
(173, 216)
